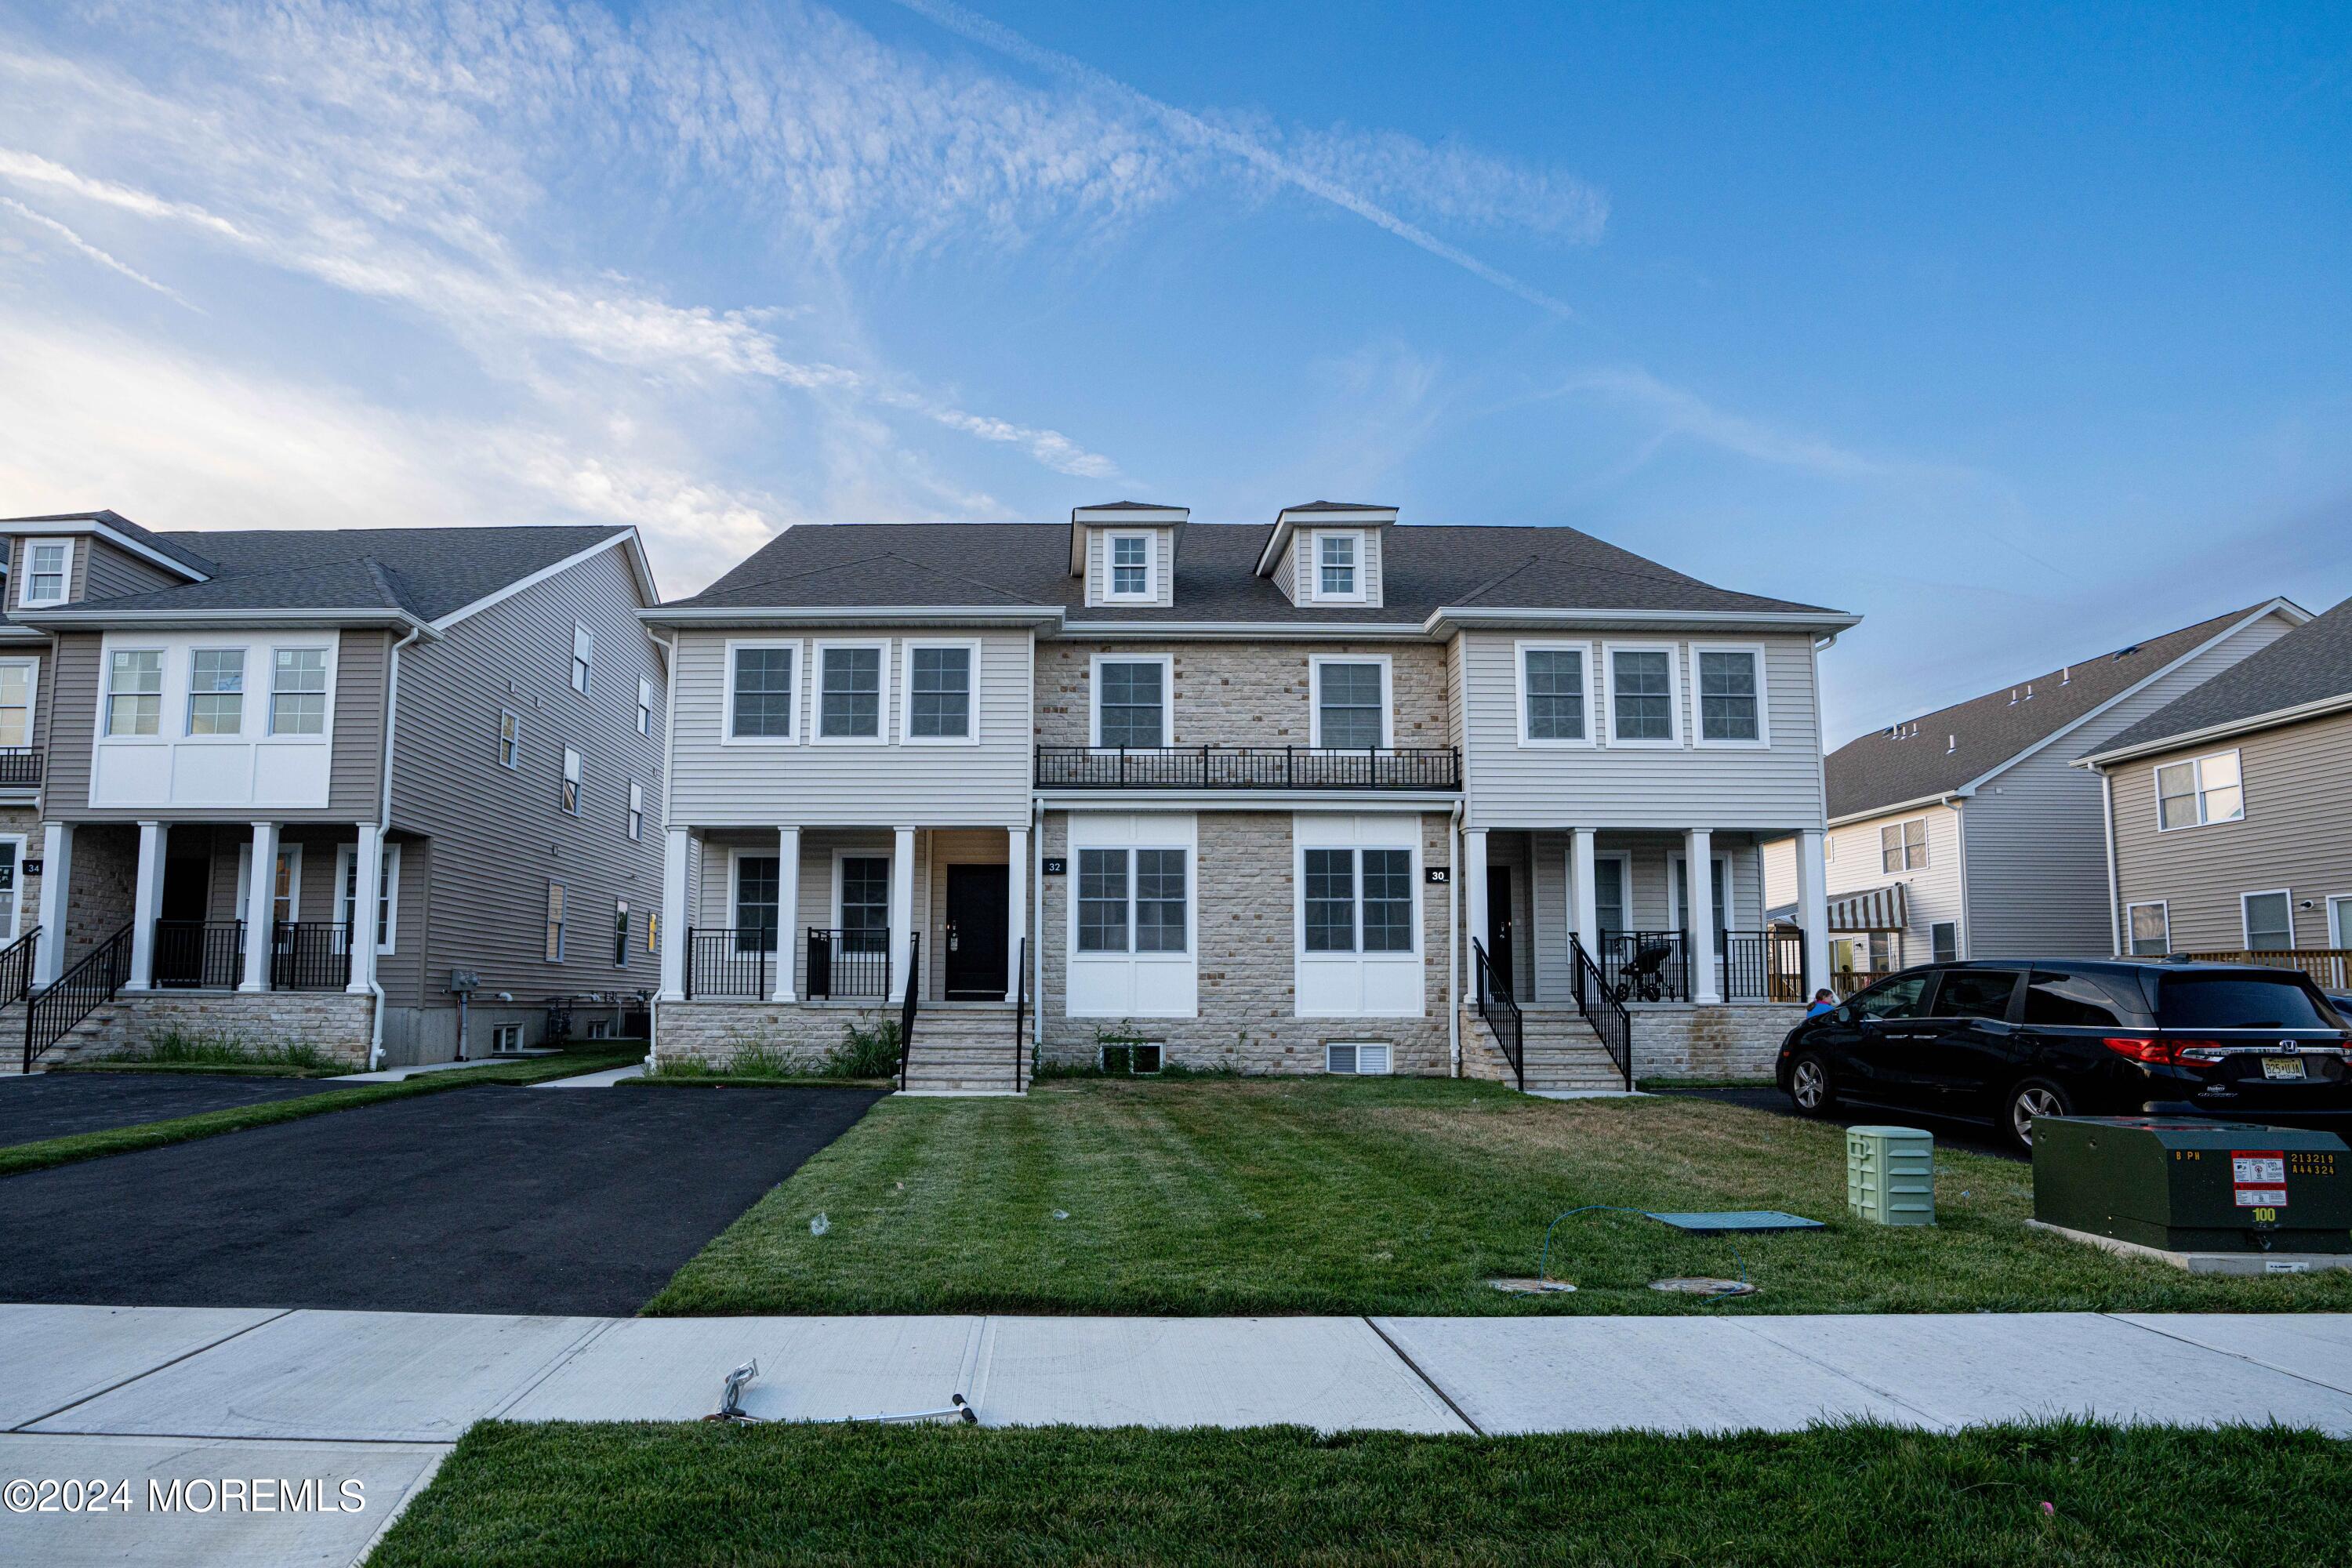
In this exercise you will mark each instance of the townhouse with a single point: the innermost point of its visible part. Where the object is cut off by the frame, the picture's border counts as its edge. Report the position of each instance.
(383, 792)
(1968, 832)
(1143, 790)
(2229, 821)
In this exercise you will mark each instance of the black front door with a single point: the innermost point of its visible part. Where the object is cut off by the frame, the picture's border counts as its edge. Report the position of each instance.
(182, 944)
(1498, 925)
(976, 931)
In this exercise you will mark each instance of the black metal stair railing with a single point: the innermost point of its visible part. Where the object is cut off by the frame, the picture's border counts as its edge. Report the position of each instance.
(51, 1014)
(1597, 999)
(1502, 1014)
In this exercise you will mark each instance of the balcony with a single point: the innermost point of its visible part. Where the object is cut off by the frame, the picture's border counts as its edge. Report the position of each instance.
(20, 767)
(1248, 767)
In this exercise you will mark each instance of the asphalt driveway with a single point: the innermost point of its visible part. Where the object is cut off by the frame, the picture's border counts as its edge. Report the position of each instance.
(490, 1199)
(61, 1104)
(1950, 1131)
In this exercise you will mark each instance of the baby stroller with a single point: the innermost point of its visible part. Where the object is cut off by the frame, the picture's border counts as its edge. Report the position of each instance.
(1643, 976)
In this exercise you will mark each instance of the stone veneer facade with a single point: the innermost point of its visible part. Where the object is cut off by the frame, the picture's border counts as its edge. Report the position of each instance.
(336, 1023)
(1735, 1040)
(1235, 694)
(716, 1033)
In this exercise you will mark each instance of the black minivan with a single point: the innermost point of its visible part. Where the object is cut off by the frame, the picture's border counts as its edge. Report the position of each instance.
(2014, 1039)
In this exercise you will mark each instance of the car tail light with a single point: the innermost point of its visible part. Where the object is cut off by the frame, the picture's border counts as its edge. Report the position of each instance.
(2157, 1052)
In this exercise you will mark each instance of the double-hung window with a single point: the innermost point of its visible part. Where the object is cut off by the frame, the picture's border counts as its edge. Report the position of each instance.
(1903, 846)
(939, 691)
(1552, 694)
(759, 681)
(17, 677)
(1338, 571)
(1133, 900)
(387, 894)
(759, 885)
(636, 811)
(1132, 702)
(2270, 921)
(216, 692)
(1351, 708)
(849, 691)
(572, 781)
(1731, 696)
(644, 707)
(620, 932)
(297, 691)
(1131, 568)
(134, 691)
(865, 903)
(555, 923)
(1358, 901)
(509, 739)
(584, 654)
(1641, 695)
(2150, 930)
(45, 568)
(2202, 790)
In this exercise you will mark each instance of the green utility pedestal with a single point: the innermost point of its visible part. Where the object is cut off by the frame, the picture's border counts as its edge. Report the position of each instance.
(1890, 1174)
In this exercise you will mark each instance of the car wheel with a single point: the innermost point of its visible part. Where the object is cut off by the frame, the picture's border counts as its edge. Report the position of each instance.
(2034, 1097)
(1809, 1090)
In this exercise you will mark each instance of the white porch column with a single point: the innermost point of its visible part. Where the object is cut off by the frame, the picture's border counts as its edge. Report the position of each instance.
(902, 909)
(1813, 909)
(260, 908)
(56, 878)
(1698, 913)
(146, 898)
(1016, 916)
(674, 850)
(1474, 873)
(788, 910)
(1586, 909)
(367, 890)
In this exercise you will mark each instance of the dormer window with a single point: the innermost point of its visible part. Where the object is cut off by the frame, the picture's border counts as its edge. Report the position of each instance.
(45, 565)
(1131, 569)
(1339, 567)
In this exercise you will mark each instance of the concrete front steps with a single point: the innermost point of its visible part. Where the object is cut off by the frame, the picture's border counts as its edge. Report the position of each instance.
(1562, 1053)
(95, 1035)
(964, 1048)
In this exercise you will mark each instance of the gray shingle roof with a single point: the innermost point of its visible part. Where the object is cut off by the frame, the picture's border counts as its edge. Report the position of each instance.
(163, 543)
(2311, 663)
(1881, 770)
(1425, 568)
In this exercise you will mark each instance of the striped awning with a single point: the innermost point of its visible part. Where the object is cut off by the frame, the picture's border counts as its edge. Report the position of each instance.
(1880, 908)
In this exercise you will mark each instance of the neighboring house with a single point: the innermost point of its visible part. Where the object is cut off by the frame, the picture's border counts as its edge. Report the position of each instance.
(1966, 832)
(2231, 809)
(216, 741)
(1215, 780)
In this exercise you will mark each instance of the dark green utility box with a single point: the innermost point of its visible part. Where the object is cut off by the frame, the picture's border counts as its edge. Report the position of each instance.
(2181, 1184)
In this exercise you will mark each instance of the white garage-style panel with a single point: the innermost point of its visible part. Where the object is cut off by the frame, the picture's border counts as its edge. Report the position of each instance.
(1133, 934)
(1356, 895)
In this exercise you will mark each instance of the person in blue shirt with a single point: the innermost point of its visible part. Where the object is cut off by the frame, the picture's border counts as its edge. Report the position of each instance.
(1822, 1002)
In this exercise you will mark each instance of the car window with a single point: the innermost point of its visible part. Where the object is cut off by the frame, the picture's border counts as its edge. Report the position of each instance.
(2069, 1001)
(1895, 998)
(2239, 1002)
(1976, 992)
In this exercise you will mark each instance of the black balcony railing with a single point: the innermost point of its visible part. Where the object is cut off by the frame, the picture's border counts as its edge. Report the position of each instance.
(311, 955)
(848, 963)
(199, 955)
(737, 961)
(1645, 966)
(20, 767)
(1248, 767)
(1763, 966)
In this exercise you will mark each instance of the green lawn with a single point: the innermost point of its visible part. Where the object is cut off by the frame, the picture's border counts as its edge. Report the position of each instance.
(19, 1157)
(1402, 1195)
(2062, 1494)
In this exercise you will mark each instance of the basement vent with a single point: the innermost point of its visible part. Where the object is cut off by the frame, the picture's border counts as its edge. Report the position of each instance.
(505, 1037)
(1358, 1060)
(1140, 1058)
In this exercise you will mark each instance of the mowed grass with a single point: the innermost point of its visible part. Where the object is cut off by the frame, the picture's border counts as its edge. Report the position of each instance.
(1402, 1195)
(701, 1494)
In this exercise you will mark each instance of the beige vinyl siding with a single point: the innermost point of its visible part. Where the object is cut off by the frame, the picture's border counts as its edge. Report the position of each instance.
(2037, 872)
(714, 909)
(1775, 786)
(1649, 892)
(1245, 694)
(1933, 890)
(891, 784)
(1297, 575)
(2296, 835)
(101, 570)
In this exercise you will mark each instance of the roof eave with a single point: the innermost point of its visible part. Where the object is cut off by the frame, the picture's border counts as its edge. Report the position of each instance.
(2320, 708)
(1941, 797)
(96, 618)
(1452, 618)
(97, 527)
(753, 616)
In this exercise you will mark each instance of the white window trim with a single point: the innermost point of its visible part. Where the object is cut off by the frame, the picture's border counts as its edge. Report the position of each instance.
(2245, 921)
(1124, 831)
(269, 730)
(736, 856)
(575, 774)
(1129, 954)
(970, 737)
(2163, 904)
(1315, 594)
(1926, 846)
(822, 646)
(104, 731)
(793, 730)
(245, 699)
(1519, 651)
(2339, 918)
(1698, 699)
(65, 578)
(1675, 921)
(586, 684)
(1311, 833)
(644, 706)
(1299, 952)
(13, 844)
(2197, 772)
(293, 854)
(501, 741)
(562, 927)
(1609, 652)
(891, 876)
(624, 919)
(1167, 663)
(32, 694)
(1150, 595)
(389, 893)
(633, 824)
(1317, 663)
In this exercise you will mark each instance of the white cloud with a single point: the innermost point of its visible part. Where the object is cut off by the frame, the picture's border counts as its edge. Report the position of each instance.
(82, 246)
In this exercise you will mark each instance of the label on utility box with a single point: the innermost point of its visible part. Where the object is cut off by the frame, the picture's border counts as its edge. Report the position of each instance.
(2258, 1177)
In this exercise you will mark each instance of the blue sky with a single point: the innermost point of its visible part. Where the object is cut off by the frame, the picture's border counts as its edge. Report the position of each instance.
(2023, 332)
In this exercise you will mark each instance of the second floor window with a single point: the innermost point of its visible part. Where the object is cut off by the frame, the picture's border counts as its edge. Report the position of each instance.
(44, 572)
(1350, 706)
(939, 693)
(134, 691)
(1553, 680)
(17, 678)
(509, 739)
(763, 700)
(1903, 846)
(297, 691)
(584, 654)
(1641, 694)
(571, 781)
(849, 702)
(2199, 790)
(1335, 565)
(1131, 699)
(636, 811)
(619, 931)
(217, 692)
(1728, 704)
(644, 707)
(555, 923)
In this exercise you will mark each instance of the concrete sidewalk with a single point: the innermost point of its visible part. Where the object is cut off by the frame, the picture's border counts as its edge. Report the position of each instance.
(168, 1393)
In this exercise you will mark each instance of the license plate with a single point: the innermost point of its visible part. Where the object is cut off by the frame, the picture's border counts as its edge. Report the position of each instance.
(2283, 1066)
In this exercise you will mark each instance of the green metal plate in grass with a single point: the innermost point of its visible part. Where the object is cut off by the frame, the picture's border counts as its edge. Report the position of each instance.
(1754, 1221)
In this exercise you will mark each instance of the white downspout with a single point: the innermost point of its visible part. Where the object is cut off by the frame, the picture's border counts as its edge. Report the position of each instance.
(1037, 927)
(669, 773)
(2115, 878)
(1453, 938)
(382, 827)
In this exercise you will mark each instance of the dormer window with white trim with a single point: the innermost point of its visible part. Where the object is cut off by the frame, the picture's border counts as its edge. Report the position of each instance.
(1339, 567)
(47, 566)
(1134, 572)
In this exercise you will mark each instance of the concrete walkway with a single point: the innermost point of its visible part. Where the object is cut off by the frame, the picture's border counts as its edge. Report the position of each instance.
(141, 1392)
